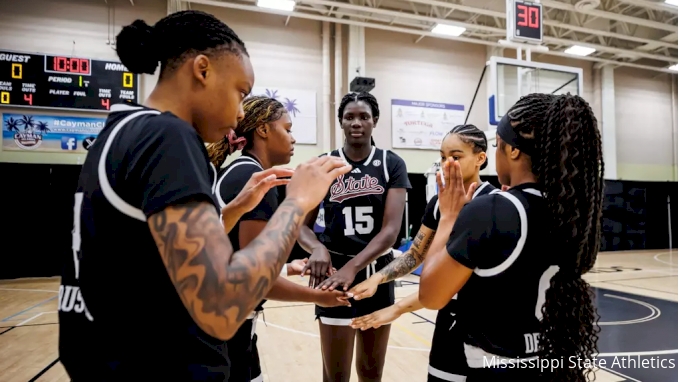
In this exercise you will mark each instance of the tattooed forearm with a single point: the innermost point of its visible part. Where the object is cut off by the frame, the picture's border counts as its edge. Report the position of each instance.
(218, 287)
(411, 259)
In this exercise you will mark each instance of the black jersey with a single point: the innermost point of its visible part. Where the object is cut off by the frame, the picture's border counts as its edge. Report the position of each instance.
(355, 204)
(447, 360)
(120, 317)
(503, 236)
(431, 216)
(230, 181)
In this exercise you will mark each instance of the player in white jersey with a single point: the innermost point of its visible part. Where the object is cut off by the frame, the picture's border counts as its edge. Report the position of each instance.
(516, 258)
(466, 144)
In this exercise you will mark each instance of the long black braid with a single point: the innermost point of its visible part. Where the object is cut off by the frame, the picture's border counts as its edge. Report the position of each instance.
(356, 97)
(569, 166)
(172, 40)
(472, 135)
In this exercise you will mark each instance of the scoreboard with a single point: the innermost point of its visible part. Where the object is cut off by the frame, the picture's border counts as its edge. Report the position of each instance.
(64, 82)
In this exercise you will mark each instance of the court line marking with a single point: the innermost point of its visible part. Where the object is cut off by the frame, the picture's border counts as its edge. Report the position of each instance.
(620, 374)
(28, 309)
(656, 258)
(637, 292)
(656, 312)
(620, 354)
(30, 290)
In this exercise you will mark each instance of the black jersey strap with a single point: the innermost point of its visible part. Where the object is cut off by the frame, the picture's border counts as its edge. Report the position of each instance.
(237, 162)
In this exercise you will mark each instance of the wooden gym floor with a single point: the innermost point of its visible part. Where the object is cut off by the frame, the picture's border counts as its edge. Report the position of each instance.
(637, 296)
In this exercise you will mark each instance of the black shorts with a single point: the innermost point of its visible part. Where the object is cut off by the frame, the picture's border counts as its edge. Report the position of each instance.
(447, 356)
(243, 355)
(383, 297)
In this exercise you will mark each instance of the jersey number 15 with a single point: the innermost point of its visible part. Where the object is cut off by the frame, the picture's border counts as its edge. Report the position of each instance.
(358, 220)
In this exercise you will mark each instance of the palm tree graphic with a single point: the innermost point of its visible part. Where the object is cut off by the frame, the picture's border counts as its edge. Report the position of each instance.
(12, 124)
(272, 93)
(42, 127)
(28, 123)
(291, 107)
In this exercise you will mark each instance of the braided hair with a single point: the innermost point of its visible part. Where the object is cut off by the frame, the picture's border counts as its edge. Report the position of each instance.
(258, 110)
(356, 97)
(569, 166)
(174, 39)
(472, 135)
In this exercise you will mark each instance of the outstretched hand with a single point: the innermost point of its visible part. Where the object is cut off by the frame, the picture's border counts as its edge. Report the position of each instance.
(257, 186)
(340, 280)
(451, 189)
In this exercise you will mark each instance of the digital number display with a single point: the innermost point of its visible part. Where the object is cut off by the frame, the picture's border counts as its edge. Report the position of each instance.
(528, 21)
(63, 82)
(74, 65)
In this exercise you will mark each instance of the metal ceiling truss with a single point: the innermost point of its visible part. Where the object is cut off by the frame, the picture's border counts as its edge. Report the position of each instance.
(636, 33)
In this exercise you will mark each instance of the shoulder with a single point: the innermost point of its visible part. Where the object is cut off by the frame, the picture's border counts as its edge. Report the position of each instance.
(393, 159)
(153, 129)
(333, 153)
(238, 173)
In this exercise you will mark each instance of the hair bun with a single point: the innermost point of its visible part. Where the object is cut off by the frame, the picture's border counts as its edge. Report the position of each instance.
(136, 46)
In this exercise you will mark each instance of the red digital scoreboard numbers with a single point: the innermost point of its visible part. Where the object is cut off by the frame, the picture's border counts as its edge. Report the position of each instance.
(525, 21)
(33, 80)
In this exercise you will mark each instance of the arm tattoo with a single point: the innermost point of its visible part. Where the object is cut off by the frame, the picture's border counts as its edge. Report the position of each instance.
(410, 260)
(220, 288)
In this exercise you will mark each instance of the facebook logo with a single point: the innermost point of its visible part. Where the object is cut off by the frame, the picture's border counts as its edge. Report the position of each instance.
(68, 143)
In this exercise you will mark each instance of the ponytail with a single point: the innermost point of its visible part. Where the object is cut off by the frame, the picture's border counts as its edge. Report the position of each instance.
(567, 161)
(258, 111)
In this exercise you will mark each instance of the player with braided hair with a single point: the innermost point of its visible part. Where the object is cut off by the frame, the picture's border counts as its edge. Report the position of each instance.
(148, 179)
(466, 144)
(363, 213)
(549, 153)
(265, 137)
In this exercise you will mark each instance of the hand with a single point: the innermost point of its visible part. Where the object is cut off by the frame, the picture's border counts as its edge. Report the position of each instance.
(318, 266)
(310, 183)
(341, 279)
(366, 288)
(376, 319)
(331, 299)
(295, 267)
(258, 185)
(452, 193)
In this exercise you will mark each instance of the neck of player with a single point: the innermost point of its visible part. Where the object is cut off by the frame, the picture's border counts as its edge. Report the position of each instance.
(165, 97)
(476, 179)
(260, 154)
(357, 152)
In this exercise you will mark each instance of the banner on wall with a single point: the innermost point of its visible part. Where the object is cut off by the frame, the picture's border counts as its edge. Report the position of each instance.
(422, 125)
(301, 107)
(49, 133)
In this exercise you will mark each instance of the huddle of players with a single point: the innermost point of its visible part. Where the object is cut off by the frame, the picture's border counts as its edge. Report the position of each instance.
(475, 241)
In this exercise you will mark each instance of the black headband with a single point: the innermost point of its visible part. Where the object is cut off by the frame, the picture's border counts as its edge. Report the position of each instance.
(508, 135)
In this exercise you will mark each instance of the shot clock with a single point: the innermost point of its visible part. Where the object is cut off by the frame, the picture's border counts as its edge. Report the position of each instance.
(64, 82)
(525, 21)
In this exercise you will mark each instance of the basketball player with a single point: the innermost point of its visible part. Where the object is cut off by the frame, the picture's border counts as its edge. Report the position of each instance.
(466, 144)
(523, 304)
(363, 216)
(154, 288)
(264, 135)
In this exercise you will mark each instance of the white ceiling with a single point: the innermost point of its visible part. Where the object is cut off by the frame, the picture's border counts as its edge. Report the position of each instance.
(635, 33)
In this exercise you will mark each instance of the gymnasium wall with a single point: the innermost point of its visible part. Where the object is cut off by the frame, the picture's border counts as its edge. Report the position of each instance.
(282, 56)
(647, 125)
(77, 27)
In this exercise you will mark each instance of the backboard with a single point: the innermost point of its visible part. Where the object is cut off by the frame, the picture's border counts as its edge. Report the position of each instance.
(510, 79)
